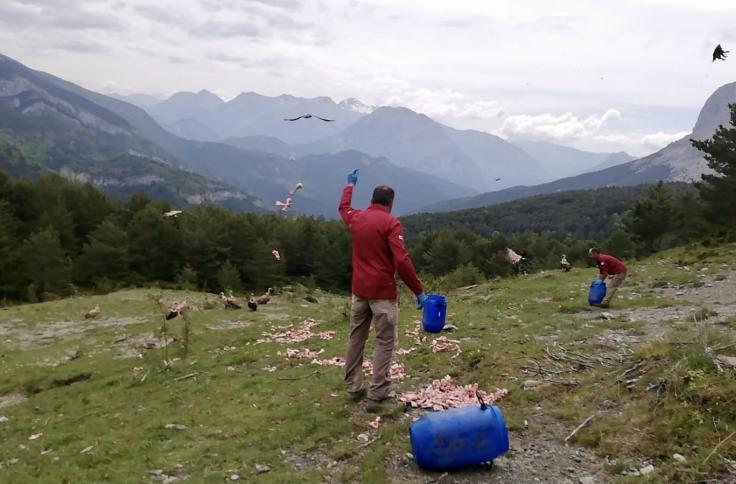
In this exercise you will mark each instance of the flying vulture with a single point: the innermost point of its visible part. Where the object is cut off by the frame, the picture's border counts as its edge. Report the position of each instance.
(719, 53)
(307, 116)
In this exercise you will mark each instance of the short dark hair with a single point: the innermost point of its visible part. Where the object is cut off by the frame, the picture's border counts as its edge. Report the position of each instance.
(383, 195)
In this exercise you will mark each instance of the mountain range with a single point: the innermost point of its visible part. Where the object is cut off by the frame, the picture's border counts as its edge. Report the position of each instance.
(49, 124)
(194, 147)
(678, 161)
(408, 139)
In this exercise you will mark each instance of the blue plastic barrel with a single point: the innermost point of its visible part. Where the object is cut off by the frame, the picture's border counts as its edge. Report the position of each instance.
(597, 292)
(461, 437)
(433, 315)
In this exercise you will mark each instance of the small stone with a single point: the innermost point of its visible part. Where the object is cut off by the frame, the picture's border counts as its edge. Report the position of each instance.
(260, 469)
(363, 438)
(531, 384)
(646, 470)
(679, 293)
(679, 458)
(156, 472)
(607, 316)
(172, 426)
(3, 418)
(409, 456)
(13, 461)
(587, 480)
(234, 477)
(86, 449)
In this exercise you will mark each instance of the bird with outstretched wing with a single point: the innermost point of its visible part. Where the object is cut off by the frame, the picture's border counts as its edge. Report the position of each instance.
(307, 116)
(719, 53)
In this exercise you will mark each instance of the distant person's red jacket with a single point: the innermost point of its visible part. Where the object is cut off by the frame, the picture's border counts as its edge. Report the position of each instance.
(608, 264)
(378, 250)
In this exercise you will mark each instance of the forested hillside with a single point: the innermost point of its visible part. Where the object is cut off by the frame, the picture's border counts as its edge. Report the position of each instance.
(580, 214)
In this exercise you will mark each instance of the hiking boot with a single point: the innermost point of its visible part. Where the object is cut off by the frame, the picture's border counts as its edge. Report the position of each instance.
(386, 406)
(355, 397)
(603, 305)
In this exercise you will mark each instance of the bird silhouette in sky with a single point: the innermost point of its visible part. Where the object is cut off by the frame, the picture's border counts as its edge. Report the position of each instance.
(498, 179)
(307, 116)
(719, 53)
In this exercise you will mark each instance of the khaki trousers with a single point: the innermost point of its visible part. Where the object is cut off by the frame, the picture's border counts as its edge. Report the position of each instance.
(614, 282)
(384, 314)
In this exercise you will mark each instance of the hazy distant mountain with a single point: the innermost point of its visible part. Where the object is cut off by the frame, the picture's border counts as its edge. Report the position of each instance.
(678, 161)
(267, 144)
(140, 100)
(55, 129)
(613, 159)
(185, 105)
(415, 141)
(192, 129)
(561, 161)
(250, 114)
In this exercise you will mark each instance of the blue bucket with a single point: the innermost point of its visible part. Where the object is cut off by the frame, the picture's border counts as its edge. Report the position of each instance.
(433, 315)
(597, 292)
(457, 438)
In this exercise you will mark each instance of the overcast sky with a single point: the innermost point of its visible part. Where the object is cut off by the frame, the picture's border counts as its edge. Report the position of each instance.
(602, 75)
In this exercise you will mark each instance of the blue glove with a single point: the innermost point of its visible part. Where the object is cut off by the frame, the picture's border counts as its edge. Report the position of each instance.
(421, 300)
(353, 177)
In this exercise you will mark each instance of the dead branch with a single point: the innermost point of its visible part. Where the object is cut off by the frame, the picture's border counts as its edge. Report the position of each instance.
(579, 427)
(718, 446)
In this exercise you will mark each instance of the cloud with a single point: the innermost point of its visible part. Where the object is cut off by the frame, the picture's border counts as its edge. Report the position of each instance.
(548, 127)
(445, 104)
(642, 142)
(58, 15)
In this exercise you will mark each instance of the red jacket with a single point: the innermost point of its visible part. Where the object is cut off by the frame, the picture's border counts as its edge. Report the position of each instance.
(608, 264)
(378, 250)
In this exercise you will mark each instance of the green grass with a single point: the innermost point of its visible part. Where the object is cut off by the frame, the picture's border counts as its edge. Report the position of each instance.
(238, 414)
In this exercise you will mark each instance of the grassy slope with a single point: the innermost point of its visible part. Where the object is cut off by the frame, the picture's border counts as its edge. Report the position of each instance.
(299, 423)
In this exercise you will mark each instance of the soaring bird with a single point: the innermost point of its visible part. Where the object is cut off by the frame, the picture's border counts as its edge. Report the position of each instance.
(719, 53)
(92, 313)
(265, 298)
(296, 188)
(172, 213)
(498, 179)
(307, 116)
(177, 309)
(252, 303)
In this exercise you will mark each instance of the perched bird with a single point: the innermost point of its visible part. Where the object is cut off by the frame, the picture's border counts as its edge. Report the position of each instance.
(296, 188)
(719, 53)
(307, 116)
(229, 301)
(252, 303)
(177, 309)
(172, 213)
(498, 179)
(265, 298)
(92, 313)
(276, 255)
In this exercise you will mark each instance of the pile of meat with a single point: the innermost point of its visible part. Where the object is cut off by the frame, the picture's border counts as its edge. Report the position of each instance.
(396, 372)
(297, 335)
(416, 333)
(336, 361)
(301, 354)
(443, 344)
(443, 394)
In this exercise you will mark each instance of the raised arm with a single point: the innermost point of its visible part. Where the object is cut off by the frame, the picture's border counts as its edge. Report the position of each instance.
(346, 211)
(401, 258)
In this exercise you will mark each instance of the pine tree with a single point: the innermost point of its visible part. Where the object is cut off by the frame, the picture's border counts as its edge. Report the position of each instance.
(104, 260)
(8, 253)
(46, 265)
(651, 218)
(718, 191)
(228, 277)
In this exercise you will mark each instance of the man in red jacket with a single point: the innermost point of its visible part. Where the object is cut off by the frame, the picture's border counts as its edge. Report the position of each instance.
(378, 253)
(609, 266)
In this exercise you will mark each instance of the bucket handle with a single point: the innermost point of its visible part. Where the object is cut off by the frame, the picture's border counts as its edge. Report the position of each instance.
(483, 405)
